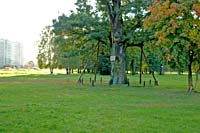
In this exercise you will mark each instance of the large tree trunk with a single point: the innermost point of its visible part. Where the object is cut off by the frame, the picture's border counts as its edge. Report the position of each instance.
(118, 74)
(190, 84)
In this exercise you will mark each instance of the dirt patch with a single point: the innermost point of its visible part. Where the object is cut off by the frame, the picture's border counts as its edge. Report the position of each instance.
(49, 81)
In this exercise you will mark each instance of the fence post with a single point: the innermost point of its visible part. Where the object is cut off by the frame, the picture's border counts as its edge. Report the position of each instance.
(82, 81)
(156, 82)
(92, 82)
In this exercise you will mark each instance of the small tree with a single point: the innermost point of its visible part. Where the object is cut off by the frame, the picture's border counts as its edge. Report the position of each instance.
(48, 56)
(29, 64)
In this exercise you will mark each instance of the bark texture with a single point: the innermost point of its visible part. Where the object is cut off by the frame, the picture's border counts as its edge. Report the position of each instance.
(118, 74)
(197, 79)
(190, 84)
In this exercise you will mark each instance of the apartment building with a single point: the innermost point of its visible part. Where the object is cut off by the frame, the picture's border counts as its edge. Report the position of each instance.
(11, 53)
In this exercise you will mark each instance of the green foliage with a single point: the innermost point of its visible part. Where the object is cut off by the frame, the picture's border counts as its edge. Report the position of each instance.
(176, 25)
(104, 64)
(87, 26)
(78, 34)
(81, 32)
(48, 56)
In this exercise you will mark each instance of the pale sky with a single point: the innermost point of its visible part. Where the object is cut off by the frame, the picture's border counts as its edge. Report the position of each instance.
(23, 20)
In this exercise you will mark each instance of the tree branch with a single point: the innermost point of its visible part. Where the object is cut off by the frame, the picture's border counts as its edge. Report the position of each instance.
(109, 9)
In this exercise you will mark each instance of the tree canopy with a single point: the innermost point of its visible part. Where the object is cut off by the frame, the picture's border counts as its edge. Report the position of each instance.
(48, 56)
(176, 26)
(168, 31)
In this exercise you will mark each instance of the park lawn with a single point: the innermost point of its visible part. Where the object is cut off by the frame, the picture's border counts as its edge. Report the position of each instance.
(56, 103)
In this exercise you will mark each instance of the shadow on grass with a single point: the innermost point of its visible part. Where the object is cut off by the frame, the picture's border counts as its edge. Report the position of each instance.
(35, 76)
(165, 81)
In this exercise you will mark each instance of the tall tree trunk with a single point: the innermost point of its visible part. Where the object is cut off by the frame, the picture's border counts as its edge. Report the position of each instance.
(190, 84)
(51, 70)
(67, 70)
(197, 79)
(118, 74)
(97, 63)
(141, 65)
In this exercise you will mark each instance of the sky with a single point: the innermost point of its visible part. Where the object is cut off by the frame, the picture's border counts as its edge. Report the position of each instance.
(23, 21)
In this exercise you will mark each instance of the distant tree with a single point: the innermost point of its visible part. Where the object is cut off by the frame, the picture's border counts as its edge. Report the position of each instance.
(176, 26)
(29, 65)
(48, 56)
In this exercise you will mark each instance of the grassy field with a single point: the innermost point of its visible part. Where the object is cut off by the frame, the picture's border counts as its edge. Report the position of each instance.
(56, 103)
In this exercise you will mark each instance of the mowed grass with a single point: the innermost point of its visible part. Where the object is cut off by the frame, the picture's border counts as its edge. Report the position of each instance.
(57, 103)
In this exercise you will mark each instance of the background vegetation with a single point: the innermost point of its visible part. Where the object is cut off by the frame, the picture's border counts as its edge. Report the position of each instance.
(139, 35)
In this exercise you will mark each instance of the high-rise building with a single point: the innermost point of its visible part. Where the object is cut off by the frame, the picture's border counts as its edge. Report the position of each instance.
(11, 53)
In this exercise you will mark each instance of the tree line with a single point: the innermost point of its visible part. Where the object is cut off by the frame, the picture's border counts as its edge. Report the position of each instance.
(167, 31)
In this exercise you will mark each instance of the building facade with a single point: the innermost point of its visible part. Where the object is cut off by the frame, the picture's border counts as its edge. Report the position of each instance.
(11, 53)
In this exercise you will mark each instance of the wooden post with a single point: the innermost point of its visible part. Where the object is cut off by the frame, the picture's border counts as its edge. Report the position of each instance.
(149, 82)
(144, 83)
(92, 82)
(90, 79)
(82, 81)
(128, 82)
(141, 65)
(156, 82)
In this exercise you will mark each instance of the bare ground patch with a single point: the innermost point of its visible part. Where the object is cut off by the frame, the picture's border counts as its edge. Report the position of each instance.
(51, 81)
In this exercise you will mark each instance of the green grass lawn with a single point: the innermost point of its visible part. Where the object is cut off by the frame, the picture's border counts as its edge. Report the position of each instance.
(56, 103)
